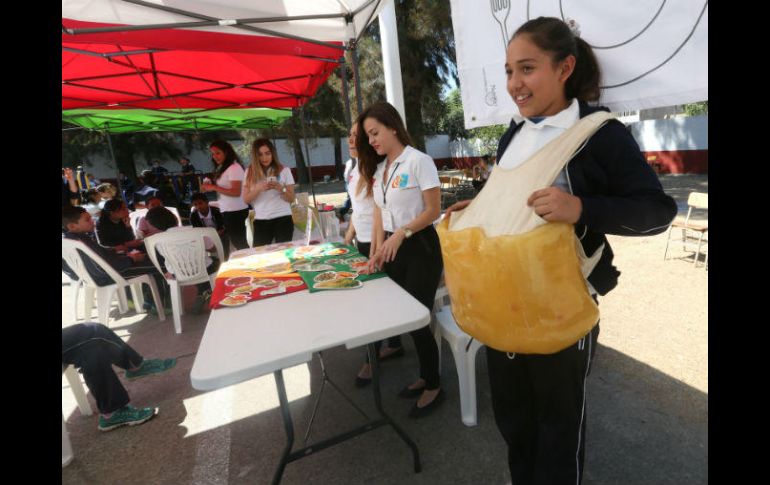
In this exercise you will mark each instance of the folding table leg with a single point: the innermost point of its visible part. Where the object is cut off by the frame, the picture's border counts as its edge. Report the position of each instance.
(375, 363)
(287, 424)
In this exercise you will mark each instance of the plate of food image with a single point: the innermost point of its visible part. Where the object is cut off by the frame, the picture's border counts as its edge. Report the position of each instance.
(310, 267)
(292, 283)
(355, 259)
(278, 268)
(339, 284)
(245, 289)
(274, 291)
(234, 300)
(346, 274)
(326, 276)
(238, 280)
(265, 283)
(336, 252)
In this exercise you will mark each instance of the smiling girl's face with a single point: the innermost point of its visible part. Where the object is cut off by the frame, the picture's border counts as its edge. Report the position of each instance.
(534, 81)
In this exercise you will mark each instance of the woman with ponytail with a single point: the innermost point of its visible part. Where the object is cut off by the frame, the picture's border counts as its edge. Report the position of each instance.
(606, 187)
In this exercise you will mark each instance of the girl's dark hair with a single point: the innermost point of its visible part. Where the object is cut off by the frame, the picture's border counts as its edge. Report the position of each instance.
(368, 159)
(112, 205)
(161, 218)
(554, 36)
(230, 157)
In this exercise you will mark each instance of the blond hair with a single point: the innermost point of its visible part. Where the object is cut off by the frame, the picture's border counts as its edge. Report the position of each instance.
(256, 172)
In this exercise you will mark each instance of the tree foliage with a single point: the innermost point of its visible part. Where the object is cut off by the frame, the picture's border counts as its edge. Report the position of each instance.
(695, 109)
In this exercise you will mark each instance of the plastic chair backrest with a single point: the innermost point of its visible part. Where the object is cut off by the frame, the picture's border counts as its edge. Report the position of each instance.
(71, 253)
(698, 200)
(135, 217)
(175, 211)
(184, 251)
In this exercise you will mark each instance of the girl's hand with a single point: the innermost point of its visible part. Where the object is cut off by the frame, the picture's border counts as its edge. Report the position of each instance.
(555, 205)
(375, 263)
(208, 187)
(262, 186)
(390, 246)
(457, 206)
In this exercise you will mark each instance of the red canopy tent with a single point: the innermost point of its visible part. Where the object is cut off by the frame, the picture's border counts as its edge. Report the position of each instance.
(178, 69)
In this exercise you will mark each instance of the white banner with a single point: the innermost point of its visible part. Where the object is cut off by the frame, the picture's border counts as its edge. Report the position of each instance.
(652, 52)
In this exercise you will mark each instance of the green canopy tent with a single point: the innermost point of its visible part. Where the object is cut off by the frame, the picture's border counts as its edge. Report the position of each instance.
(116, 121)
(191, 120)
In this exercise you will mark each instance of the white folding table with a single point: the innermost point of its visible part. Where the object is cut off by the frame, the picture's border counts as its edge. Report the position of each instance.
(276, 333)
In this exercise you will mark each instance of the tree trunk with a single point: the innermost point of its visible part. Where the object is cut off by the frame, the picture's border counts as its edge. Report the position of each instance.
(299, 156)
(413, 108)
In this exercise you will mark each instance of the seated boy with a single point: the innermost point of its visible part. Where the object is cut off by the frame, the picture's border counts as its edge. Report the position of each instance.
(205, 215)
(143, 227)
(93, 349)
(165, 220)
(78, 225)
(114, 230)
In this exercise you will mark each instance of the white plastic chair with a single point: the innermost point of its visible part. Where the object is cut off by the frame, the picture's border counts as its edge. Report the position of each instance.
(135, 217)
(465, 360)
(184, 251)
(85, 409)
(71, 253)
(250, 228)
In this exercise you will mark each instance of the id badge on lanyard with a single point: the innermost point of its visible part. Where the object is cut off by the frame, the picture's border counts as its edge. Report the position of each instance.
(387, 220)
(387, 216)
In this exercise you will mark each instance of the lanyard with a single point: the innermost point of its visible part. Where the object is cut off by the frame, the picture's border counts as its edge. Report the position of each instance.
(387, 186)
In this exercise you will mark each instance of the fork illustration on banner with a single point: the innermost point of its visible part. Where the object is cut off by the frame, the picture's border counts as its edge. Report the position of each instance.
(500, 11)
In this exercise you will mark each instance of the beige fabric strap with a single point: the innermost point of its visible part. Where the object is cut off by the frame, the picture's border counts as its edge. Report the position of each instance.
(511, 188)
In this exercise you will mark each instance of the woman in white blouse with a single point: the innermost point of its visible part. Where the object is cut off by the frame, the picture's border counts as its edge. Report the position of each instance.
(228, 178)
(360, 228)
(405, 186)
(269, 188)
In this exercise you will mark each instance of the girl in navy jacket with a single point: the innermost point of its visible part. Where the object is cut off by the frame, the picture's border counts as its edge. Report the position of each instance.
(606, 188)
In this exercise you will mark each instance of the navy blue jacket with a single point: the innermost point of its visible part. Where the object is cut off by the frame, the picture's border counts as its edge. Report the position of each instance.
(620, 192)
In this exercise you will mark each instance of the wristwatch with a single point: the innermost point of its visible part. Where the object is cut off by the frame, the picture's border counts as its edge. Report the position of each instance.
(407, 232)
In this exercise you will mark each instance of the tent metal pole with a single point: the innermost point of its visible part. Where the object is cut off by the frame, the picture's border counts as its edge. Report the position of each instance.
(345, 94)
(356, 80)
(307, 153)
(112, 154)
(321, 222)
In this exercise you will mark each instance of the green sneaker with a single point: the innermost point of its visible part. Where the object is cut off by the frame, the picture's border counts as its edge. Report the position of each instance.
(149, 367)
(126, 416)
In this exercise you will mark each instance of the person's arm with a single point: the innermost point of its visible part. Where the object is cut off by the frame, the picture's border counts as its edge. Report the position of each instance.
(252, 191)
(285, 186)
(288, 194)
(73, 188)
(378, 237)
(432, 200)
(233, 191)
(235, 185)
(634, 203)
(350, 233)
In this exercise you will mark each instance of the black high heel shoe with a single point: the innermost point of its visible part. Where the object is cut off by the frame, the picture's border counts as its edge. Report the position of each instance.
(421, 412)
(408, 393)
(363, 381)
